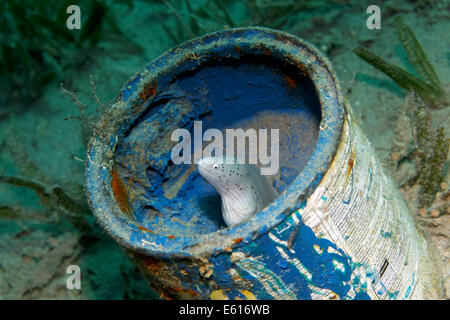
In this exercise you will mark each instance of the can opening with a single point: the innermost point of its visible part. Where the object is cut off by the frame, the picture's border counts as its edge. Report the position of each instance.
(242, 78)
(257, 92)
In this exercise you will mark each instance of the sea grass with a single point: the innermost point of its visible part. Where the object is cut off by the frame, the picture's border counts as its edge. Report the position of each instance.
(403, 78)
(417, 56)
(427, 85)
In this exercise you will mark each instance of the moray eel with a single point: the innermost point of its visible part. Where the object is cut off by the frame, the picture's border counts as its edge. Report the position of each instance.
(243, 190)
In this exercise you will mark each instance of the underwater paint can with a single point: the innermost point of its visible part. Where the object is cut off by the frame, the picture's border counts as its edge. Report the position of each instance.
(338, 229)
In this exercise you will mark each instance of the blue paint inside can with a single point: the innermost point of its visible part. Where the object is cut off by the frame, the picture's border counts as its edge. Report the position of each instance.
(240, 92)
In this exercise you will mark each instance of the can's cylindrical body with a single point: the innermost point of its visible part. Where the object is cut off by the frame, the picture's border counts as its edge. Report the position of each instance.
(339, 229)
(358, 209)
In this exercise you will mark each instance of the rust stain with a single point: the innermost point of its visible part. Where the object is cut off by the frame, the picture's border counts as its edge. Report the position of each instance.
(302, 69)
(164, 296)
(350, 166)
(120, 192)
(144, 229)
(148, 92)
(291, 82)
(185, 292)
(163, 278)
(152, 265)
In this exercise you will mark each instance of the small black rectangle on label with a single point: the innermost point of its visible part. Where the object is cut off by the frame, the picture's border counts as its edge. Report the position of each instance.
(383, 268)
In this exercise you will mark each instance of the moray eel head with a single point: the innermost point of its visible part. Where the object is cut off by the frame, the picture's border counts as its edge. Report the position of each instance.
(223, 177)
(243, 190)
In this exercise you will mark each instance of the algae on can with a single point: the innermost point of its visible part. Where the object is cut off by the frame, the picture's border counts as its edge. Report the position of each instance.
(338, 229)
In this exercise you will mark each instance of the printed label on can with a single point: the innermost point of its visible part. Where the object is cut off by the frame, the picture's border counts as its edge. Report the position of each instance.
(357, 207)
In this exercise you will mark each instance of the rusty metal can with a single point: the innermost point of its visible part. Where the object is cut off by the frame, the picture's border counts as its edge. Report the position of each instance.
(338, 229)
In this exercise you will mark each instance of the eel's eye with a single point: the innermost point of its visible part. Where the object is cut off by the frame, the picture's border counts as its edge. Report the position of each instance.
(216, 166)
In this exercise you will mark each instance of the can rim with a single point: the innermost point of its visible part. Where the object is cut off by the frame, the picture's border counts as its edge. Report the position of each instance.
(127, 106)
